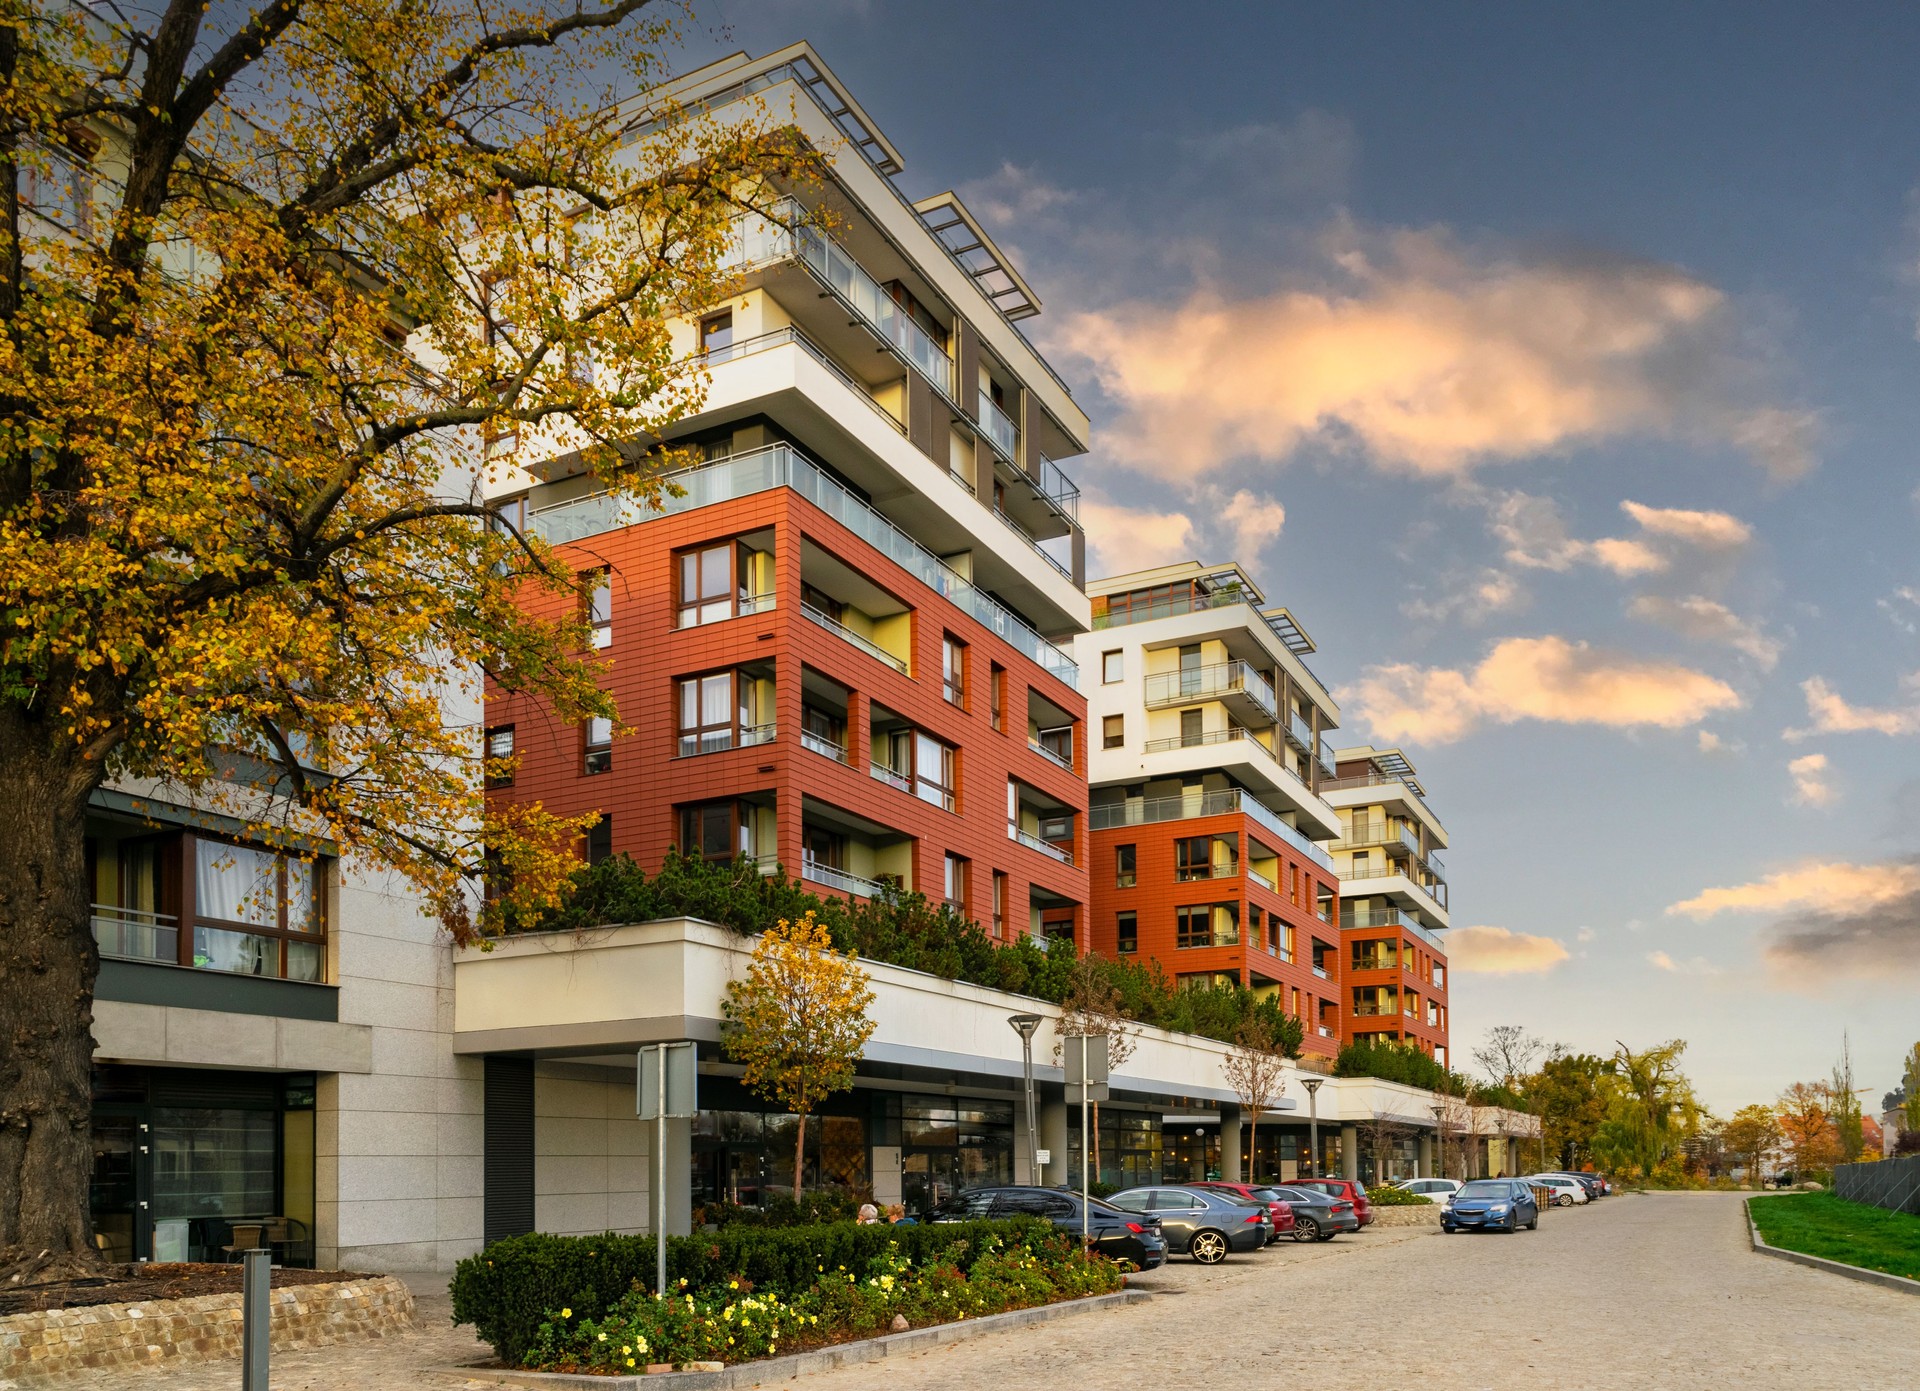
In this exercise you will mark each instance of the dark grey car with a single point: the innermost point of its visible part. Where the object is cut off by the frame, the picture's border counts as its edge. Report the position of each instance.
(1204, 1224)
(1317, 1214)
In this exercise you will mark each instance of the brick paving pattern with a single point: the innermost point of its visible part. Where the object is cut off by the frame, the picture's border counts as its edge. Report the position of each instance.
(1657, 1291)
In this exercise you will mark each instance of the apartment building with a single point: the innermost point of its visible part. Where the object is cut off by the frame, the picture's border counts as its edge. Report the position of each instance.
(1393, 900)
(1206, 774)
(832, 646)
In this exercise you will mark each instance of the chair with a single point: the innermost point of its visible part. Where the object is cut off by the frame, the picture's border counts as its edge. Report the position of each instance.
(246, 1237)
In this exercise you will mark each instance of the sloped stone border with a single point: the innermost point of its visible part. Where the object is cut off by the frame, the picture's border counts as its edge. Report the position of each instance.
(1851, 1272)
(773, 1369)
(102, 1338)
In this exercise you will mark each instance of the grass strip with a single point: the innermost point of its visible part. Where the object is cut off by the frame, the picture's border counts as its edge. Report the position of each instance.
(1819, 1224)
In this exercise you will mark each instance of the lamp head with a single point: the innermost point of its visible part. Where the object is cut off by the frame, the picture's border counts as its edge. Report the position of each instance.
(1312, 1084)
(1025, 1025)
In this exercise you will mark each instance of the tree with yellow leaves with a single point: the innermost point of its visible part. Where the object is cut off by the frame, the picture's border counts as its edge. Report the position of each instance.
(798, 1022)
(279, 286)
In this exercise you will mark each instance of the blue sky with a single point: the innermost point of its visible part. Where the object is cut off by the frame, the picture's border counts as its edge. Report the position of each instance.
(1560, 370)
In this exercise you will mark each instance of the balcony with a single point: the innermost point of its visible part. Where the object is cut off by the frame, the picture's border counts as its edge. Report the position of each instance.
(135, 935)
(999, 429)
(1243, 690)
(1362, 919)
(1059, 490)
(841, 881)
(824, 746)
(783, 466)
(892, 777)
(1370, 1010)
(1323, 1031)
(1321, 972)
(1372, 779)
(1150, 811)
(1324, 756)
(1053, 756)
(1032, 544)
(1262, 879)
(1431, 888)
(1399, 838)
(793, 337)
(835, 626)
(1299, 732)
(1033, 842)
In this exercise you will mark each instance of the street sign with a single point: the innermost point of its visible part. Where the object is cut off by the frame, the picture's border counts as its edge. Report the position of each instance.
(682, 1082)
(1043, 1157)
(1092, 1069)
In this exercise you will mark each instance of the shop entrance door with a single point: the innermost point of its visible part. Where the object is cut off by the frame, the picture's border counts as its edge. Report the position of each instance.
(122, 1185)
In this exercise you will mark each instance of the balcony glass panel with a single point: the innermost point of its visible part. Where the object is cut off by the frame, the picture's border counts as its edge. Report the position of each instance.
(1033, 842)
(135, 935)
(839, 879)
(999, 428)
(1157, 809)
(821, 745)
(835, 626)
(1211, 683)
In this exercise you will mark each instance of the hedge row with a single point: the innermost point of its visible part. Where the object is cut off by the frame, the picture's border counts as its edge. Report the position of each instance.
(508, 1290)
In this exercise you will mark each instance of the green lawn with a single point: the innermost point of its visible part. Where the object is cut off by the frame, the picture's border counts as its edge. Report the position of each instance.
(1820, 1224)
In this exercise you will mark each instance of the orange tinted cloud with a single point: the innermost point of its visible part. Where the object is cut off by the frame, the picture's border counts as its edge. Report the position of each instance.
(1497, 951)
(1831, 714)
(1808, 886)
(1545, 678)
(1708, 530)
(1697, 616)
(1430, 359)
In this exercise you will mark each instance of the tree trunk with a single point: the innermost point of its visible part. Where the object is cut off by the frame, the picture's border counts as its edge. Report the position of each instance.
(800, 1156)
(1253, 1145)
(48, 962)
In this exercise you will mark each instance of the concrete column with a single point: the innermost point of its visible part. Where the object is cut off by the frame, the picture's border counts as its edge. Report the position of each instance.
(1350, 1151)
(1053, 1132)
(1426, 1158)
(1230, 1163)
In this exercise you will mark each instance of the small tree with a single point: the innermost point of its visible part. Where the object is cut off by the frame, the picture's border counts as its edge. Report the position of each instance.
(1849, 1132)
(1806, 1120)
(1383, 1133)
(1749, 1134)
(1507, 1057)
(1255, 1066)
(798, 1022)
(1910, 1084)
(1093, 1005)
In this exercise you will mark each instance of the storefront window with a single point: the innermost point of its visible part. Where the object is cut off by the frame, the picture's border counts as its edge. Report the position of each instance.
(948, 1144)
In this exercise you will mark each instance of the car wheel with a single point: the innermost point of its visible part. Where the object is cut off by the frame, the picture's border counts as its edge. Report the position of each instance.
(1305, 1229)
(1563, 1200)
(1447, 1229)
(1534, 1225)
(1328, 1236)
(1208, 1247)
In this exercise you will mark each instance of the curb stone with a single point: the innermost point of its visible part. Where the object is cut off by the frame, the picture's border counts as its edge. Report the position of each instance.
(769, 1369)
(1852, 1272)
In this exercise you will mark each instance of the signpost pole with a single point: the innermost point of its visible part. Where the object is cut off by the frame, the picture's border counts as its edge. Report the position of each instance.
(1086, 1151)
(660, 1177)
(256, 1309)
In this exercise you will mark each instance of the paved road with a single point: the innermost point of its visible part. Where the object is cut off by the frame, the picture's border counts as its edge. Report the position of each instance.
(1656, 1291)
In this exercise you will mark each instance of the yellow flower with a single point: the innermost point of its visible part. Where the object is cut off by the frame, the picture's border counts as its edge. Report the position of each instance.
(629, 1361)
(566, 1313)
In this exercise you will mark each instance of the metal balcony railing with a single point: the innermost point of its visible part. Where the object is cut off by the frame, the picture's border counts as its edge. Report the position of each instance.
(822, 745)
(866, 645)
(1033, 842)
(1213, 682)
(783, 466)
(839, 879)
(892, 777)
(720, 740)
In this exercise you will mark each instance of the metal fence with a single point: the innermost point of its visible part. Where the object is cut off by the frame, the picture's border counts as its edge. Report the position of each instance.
(1893, 1184)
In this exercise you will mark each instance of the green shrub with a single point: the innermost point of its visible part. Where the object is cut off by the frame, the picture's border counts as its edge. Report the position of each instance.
(1396, 1197)
(507, 1291)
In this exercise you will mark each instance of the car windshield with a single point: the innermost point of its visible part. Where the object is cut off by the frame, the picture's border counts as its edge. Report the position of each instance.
(1266, 1195)
(1486, 1188)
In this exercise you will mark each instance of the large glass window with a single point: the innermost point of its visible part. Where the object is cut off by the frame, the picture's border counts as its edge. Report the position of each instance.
(717, 830)
(1207, 925)
(715, 583)
(707, 713)
(596, 745)
(256, 912)
(936, 776)
(1123, 872)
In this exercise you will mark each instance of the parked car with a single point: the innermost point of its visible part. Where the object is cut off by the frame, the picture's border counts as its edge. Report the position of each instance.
(1597, 1185)
(1279, 1213)
(1204, 1223)
(1566, 1189)
(1352, 1190)
(1491, 1204)
(1438, 1189)
(1317, 1214)
(1118, 1235)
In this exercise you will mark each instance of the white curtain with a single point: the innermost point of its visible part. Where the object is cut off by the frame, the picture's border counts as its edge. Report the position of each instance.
(236, 884)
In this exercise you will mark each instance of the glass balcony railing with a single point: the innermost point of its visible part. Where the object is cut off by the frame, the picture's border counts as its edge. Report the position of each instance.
(135, 935)
(820, 744)
(1151, 810)
(1324, 754)
(846, 883)
(846, 634)
(1300, 731)
(783, 466)
(1211, 683)
(1059, 489)
(1033, 842)
(720, 740)
(892, 777)
(999, 429)
(1032, 544)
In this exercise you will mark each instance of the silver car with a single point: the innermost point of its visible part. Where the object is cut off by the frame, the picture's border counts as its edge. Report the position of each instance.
(1203, 1223)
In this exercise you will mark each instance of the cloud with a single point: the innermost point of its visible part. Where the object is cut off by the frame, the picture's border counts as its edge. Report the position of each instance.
(1132, 538)
(1015, 194)
(1902, 607)
(1307, 159)
(1707, 530)
(1697, 616)
(1716, 746)
(1431, 358)
(1810, 885)
(1473, 599)
(1810, 785)
(1546, 678)
(1874, 942)
(1695, 966)
(1253, 522)
(1496, 951)
(1831, 714)
(1585, 934)
(1535, 537)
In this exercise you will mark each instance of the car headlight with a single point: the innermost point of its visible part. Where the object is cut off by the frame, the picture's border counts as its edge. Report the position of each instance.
(1497, 1209)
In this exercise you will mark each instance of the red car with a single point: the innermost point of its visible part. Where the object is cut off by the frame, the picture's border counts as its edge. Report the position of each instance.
(1279, 1213)
(1347, 1188)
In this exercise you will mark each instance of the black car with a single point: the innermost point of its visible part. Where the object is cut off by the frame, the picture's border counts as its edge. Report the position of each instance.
(1203, 1222)
(1120, 1236)
(1317, 1214)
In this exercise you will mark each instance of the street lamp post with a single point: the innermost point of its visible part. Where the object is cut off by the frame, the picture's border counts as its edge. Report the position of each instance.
(1440, 1137)
(1026, 1025)
(1312, 1084)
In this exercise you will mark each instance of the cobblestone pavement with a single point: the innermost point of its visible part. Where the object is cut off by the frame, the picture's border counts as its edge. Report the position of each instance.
(1656, 1291)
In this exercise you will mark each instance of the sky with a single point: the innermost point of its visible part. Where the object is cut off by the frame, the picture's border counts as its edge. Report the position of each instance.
(1559, 367)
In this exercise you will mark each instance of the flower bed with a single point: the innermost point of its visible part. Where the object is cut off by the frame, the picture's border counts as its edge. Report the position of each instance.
(921, 1275)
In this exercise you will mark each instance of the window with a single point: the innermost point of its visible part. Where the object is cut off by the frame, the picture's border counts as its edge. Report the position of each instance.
(498, 756)
(715, 583)
(957, 867)
(1057, 927)
(1207, 925)
(822, 602)
(1123, 867)
(596, 605)
(63, 191)
(936, 772)
(953, 671)
(999, 904)
(1205, 857)
(997, 695)
(715, 831)
(822, 849)
(596, 738)
(1192, 728)
(1113, 667)
(1127, 933)
(600, 840)
(716, 333)
(709, 718)
(1113, 731)
(257, 912)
